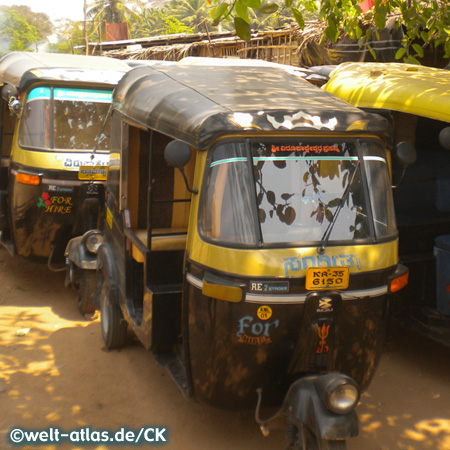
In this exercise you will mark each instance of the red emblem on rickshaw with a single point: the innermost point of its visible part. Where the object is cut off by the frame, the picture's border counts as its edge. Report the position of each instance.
(44, 200)
(323, 332)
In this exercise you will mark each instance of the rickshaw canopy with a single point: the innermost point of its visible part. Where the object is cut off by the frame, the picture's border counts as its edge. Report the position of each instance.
(198, 104)
(423, 91)
(59, 66)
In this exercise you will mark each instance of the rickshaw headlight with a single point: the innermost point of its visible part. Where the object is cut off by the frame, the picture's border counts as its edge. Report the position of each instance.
(93, 240)
(342, 396)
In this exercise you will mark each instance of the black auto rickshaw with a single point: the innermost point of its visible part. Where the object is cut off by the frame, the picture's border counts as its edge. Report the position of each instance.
(53, 116)
(416, 99)
(243, 246)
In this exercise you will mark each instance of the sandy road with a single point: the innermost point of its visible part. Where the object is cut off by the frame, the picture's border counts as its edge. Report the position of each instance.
(55, 372)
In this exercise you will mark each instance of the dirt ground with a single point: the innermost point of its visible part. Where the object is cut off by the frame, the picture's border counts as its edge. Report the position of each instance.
(55, 372)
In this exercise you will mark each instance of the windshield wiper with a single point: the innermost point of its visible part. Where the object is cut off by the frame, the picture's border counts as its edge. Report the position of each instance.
(101, 136)
(327, 234)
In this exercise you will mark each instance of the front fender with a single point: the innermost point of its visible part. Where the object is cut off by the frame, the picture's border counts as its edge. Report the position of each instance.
(77, 253)
(106, 273)
(304, 405)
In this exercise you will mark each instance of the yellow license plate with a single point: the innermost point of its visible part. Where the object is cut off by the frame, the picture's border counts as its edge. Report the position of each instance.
(93, 173)
(318, 278)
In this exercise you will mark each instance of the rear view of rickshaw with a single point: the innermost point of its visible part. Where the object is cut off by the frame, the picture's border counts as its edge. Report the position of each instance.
(416, 99)
(243, 246)
(53, 113)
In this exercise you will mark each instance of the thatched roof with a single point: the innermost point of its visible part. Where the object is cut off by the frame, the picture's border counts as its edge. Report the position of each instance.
(281, 45)
(290, 45)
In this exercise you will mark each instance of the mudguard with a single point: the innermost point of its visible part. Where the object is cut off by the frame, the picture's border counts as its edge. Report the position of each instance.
(303, 404)
(3, 209)
(106, 273)
(77, 253)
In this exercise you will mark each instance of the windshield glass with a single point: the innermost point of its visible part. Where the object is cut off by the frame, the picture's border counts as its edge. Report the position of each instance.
(65, 119)
(290, 191)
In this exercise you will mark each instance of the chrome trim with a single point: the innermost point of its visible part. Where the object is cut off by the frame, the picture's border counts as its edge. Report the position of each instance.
(26, 172)
(62, 182)
(280, 299)
(373, 292)
(296, 298)
(194, 281)
(300, 298)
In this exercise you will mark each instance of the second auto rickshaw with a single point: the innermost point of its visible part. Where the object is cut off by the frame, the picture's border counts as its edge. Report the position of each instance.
(416, 99)
(243, 245)
(54, 109)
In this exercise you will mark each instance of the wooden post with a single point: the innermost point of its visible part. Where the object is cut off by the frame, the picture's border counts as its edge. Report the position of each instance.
(86, 42)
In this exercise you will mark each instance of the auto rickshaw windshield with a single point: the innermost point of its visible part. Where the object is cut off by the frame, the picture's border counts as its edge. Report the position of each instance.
(297, 190)
(62, 118)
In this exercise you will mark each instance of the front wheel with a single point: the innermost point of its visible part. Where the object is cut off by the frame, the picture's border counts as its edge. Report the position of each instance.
(309, 441)
(86, 291)
(114, 327)
(332, 445)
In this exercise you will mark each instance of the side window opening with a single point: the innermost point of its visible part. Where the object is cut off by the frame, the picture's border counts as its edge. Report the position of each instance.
(7, 125)
(165, 191)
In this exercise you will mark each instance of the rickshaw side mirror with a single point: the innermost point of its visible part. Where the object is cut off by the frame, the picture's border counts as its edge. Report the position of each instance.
(444, 138)
(178, 154)
(9, 91)
(405, 154)
(10, 94)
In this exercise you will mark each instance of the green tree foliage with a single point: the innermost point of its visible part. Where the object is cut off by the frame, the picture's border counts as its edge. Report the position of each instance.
(151, 23)
(193, 13)
(158, 22)
(426, 22)
(71, 38)
(175, 26)
(177, 16)
(40, 21)
(16, 32)
(111, 11)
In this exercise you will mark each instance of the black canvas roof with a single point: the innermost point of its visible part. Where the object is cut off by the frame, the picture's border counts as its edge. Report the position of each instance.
(59, 66)
(197, 104)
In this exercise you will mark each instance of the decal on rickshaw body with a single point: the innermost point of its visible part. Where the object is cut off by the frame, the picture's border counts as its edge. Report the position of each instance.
(305, 148)
(92, 189)
(325, 305)
(55, 204)
(69, 162)
(52, 187)
(246, 339)
(269, 286)
(44, 200)
(264, 312)
(255, 332)
(109, 218)
(296, 264)
(323, 332)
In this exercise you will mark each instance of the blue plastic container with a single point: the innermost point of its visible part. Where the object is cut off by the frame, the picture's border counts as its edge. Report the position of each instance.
(442, 254)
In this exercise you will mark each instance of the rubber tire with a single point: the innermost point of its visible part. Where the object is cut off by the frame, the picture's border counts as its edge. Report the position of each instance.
(332, 445)
(312, 442)
(71, 276)
(86, 291)
(113, 324)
